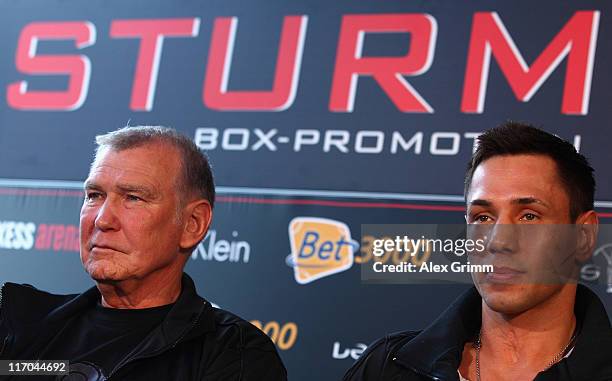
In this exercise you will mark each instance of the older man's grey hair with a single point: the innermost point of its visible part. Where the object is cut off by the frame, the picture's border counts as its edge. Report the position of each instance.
(197, 178)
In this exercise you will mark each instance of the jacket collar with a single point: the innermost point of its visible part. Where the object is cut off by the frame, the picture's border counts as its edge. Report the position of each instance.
(191, 312)
(188, 308)
(190, 316)
(590, 359)
(437, 350)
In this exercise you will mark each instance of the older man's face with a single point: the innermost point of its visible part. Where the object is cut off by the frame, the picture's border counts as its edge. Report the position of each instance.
(129, 226)
(521, 204)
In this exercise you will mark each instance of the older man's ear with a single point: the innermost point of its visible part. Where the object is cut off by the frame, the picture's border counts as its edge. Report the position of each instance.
(198, 216)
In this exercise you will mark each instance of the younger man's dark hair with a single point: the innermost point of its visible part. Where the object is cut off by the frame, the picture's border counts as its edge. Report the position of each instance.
(513, 138)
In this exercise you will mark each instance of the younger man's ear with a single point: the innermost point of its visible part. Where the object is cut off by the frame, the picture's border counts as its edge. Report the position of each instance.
(587, 225)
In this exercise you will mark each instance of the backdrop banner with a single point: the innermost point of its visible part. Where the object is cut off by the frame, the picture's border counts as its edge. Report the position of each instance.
(318, 117)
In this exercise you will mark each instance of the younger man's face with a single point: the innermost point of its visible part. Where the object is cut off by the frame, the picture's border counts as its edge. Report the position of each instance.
(508, 195)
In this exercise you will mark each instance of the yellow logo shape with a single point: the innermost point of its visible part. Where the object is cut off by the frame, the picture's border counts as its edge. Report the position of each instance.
(319, 247)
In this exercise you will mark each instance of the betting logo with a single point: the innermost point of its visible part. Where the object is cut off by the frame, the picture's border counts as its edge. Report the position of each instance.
(319, 247)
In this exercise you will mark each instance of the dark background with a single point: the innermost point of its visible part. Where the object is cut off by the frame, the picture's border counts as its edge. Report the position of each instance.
(38, 146)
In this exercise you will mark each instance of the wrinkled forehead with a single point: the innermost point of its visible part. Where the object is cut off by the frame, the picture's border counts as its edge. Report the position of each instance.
(157, 163)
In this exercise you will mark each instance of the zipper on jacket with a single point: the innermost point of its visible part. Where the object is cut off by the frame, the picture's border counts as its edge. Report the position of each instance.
(195, 322)
(120, 366)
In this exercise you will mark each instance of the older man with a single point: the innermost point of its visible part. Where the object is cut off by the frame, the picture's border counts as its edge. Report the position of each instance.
(148, 203)
(531, 194)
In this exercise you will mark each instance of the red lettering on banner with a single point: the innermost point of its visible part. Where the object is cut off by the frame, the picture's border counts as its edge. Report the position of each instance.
(42, 241)
(57, 238)
(216, 95)
(77, 67)
(389, 72)
(576, 41)
(151, 33)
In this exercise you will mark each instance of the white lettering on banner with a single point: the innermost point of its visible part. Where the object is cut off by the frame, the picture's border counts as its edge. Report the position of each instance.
(434, 146)
(17, 235)
(368, 142)
(221, 250)
(354, 353)
(235, 139)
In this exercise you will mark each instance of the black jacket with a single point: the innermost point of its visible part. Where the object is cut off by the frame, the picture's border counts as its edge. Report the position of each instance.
(435, 353)
(194, 342)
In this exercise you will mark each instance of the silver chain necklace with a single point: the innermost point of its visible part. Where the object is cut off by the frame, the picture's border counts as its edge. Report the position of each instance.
(553, 361)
